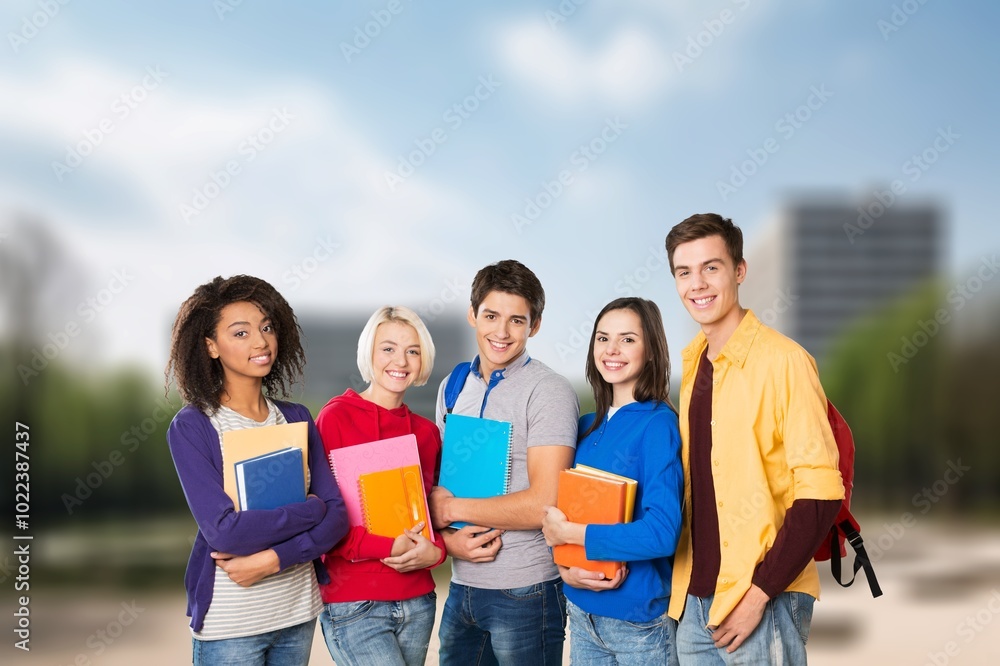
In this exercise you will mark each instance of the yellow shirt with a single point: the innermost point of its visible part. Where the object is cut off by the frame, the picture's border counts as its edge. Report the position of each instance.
(771, 445)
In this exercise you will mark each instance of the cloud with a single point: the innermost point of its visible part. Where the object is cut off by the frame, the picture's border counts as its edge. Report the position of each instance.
(626, 69)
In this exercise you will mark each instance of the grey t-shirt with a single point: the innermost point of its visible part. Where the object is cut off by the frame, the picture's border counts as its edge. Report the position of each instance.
(543, 410)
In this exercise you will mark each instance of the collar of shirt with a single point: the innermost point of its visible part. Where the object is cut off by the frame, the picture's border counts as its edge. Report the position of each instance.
(516, 364)
(736, 349)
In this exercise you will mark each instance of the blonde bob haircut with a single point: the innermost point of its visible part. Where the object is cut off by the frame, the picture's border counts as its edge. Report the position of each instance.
(402, 315)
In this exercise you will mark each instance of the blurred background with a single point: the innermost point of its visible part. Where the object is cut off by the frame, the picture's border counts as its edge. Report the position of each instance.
(382, 152)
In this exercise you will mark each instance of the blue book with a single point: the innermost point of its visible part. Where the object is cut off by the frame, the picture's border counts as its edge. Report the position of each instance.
(475, 457)
(271, 480)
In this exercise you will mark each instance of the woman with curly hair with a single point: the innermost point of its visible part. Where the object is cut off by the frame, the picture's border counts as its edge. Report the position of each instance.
(251, 580)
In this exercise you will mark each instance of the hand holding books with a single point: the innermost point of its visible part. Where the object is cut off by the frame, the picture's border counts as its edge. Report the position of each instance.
(587, 495)
(412, 551)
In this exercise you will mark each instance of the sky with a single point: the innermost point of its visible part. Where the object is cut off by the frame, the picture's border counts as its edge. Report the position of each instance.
(382, 152)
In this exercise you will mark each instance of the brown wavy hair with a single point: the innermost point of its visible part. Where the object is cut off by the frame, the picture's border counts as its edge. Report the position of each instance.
(653, 382)
(198, 375)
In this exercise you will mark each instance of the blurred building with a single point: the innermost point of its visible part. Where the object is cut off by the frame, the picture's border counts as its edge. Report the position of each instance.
(331, 344)
(825, 262)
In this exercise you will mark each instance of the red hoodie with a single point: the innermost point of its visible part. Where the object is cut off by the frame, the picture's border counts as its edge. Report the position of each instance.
(347, 420)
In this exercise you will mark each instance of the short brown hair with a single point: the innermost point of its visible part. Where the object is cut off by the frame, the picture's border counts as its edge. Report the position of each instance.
(704, 225)
(512, 277)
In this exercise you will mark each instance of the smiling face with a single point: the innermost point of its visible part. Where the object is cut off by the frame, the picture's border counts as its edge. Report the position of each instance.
(396, 362)
(619, 352)
(707, 282)
(503, 327)
(245, 343)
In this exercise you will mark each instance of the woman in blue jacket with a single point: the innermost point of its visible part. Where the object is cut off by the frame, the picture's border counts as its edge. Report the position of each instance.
(251, 580)
(634, 434)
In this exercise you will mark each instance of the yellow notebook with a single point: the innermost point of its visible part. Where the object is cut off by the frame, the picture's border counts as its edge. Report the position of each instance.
(630, 486)
(394, 500)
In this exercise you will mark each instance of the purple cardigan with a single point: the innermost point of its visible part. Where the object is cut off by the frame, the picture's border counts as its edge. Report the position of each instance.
(297, 532)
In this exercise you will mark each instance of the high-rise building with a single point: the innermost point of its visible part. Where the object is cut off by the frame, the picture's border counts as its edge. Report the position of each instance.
(824, 262)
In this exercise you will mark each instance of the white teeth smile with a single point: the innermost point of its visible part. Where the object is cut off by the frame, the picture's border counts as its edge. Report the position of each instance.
(610, 365)
(704, 301)
(500, 346)
(261, 358)
(397, 375)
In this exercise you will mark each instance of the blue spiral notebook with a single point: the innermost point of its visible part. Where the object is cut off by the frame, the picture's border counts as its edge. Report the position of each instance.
(475, 457)
(271, 480)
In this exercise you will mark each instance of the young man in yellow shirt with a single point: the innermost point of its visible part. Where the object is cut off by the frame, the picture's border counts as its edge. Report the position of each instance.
(761, 483)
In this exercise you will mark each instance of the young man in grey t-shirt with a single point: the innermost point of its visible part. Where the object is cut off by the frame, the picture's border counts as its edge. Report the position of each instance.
(505, 604)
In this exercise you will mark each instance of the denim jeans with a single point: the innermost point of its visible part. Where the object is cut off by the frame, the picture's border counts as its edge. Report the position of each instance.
(596, 640)
(285, 647)
(377, 633)
(780, 638)
(522, 626)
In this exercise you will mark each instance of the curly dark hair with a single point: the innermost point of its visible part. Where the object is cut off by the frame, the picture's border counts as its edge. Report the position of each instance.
(198, 375)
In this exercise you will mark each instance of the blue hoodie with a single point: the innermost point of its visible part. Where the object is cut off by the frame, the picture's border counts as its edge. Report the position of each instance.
(640, 441)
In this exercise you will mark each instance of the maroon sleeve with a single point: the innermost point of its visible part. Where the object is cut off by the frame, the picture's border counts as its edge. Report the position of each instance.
(807, 524)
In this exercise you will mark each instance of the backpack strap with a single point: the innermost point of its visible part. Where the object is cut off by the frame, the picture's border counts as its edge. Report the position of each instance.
(861, 559)
(456, 381)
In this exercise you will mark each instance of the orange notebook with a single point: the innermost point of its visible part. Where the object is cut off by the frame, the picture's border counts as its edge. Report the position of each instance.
(393, 500)
(591, 496)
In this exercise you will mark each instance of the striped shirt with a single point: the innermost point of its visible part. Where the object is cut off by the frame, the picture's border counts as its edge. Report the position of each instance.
(284, 599)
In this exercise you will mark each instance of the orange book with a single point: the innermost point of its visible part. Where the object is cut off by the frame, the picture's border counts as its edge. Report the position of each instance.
(394, 500)
(589, 496)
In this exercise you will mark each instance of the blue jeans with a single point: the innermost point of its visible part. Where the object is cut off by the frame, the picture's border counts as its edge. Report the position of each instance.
(396, 633)
(285, 647)
(522, 626)
(596, 640)
(780, 638)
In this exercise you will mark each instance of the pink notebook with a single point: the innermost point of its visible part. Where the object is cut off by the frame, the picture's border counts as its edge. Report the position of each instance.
(350, 462)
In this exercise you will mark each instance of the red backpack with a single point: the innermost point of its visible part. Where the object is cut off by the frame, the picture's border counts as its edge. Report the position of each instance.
(845, 527)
